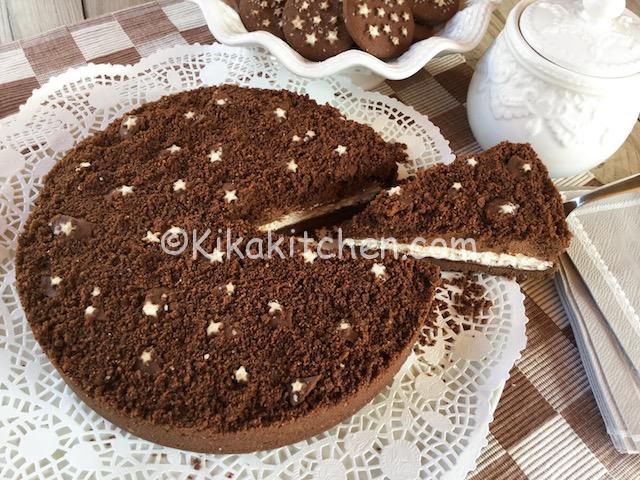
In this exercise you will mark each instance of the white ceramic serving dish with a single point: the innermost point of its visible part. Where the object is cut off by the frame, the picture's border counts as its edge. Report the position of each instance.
(564, 76)
(461, 34)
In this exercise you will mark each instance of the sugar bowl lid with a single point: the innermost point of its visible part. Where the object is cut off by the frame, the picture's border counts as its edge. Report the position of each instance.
(599, 38)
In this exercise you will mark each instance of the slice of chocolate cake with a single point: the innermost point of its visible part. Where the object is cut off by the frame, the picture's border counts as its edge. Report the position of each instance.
(497, 212)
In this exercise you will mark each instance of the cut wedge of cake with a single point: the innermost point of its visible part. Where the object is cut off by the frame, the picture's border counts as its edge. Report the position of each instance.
(496, 212)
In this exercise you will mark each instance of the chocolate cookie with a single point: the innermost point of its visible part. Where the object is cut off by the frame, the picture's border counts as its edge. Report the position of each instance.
(262, 15)
(422, 32)
(315, 29)
(383, 28)
(433, 12)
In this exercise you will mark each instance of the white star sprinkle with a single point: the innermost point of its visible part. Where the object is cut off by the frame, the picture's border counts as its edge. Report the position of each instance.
(310, 134)
(394, 17)
(82, 165)
(179, 185)
(96, 291)
(174, 148)
(381, 12)
(241, 375)
(145, 357)
(90, 310)
(324, 5)
(508, 208)
(526, 167)
(125, 190)
(309, 256)
(230, 287)
(373, 31)
(214, 328)
(280, 112)
(472, 161)
(130, 122)
(456, 185)
(341, 150)
(150, 309)
(274, 307)
(363, 9)
(296, 139)
(404, 31)
(297, 386)
(230, 196)
(394, 191)
(215, 155)
(378, 270)
(403, 172)
(311, 39)
(221, 101)
(304, 5)
(189, 114)
(395, 40)
(405, 15)
(297, 23)
(216, 256)
(344, 325)
(55, 280)
(332, 36)
(386, 29)
(316, 20)
(67, 228)
(292, 166)
(152, 237)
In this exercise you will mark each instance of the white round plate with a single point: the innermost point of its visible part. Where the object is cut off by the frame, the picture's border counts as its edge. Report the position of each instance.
(461, 34)
(431, 422)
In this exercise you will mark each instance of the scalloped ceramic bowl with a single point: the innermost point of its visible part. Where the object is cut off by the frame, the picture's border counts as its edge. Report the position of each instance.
(460, 34)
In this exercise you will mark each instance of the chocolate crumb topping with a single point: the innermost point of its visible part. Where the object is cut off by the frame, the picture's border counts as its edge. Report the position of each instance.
(188, 351)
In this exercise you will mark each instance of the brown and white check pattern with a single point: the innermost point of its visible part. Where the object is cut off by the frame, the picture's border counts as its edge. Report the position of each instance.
(547, 425)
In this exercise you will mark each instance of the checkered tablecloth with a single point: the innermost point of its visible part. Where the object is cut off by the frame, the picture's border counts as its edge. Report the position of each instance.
(547, 425)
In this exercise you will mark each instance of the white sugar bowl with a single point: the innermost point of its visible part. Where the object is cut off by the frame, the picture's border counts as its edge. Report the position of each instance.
(564, 75)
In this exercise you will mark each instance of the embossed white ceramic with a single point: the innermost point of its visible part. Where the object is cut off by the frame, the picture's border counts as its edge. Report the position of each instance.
(461, 34)
(576, 104)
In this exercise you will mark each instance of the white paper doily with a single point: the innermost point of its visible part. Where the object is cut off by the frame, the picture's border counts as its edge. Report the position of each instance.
(430, 423)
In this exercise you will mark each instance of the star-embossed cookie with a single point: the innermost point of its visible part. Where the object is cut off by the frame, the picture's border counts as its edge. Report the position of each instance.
(433, 12)
(315, 28)
(383, 28)
(262, 15)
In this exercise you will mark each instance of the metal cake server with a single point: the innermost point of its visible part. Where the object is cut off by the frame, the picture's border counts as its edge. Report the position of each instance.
(615, 188)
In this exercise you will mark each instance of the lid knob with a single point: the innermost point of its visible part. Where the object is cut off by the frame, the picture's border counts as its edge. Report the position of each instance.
(601, 12)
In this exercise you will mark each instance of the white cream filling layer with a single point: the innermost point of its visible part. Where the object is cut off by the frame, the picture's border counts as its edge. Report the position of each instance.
(488, 259)
(318, 210)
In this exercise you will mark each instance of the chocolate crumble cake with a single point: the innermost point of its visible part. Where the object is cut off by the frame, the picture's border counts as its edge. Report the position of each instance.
(496, 212)
(213, 352)
(274, 156)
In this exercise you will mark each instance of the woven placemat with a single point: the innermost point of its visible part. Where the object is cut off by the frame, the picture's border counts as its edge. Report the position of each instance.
(547, 425)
